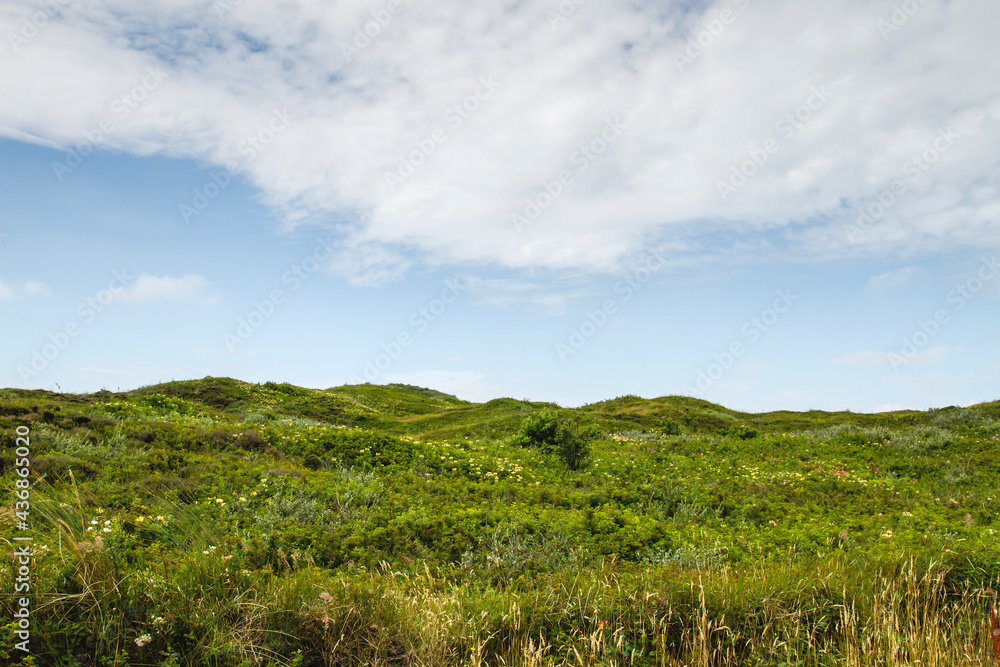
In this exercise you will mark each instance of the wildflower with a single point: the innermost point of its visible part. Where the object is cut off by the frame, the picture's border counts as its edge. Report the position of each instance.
(139, 519)
(142, 640)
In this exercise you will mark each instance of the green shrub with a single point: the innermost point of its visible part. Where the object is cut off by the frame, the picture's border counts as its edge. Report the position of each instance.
(742, 432)
(669, 427)
(549, 434)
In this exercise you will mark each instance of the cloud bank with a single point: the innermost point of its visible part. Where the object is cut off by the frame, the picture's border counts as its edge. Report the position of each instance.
(539, 135)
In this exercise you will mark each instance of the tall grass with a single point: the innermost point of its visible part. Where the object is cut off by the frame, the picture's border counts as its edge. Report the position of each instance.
(198, 605)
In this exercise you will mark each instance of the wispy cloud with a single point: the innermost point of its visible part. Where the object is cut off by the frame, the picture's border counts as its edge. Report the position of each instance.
(146, 288)
(35, 288)
(540, 296)
(29, 288)
(897, 278)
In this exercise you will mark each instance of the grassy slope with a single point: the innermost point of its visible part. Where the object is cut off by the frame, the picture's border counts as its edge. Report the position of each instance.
(293, 484)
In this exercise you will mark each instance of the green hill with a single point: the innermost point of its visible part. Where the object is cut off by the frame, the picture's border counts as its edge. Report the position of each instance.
(222, 522)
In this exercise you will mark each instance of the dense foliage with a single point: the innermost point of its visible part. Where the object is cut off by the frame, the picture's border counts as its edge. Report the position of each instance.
(550, 434)
(218, 522)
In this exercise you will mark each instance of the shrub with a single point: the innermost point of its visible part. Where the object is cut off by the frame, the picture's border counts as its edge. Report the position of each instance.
(549, 434)
(669, 427)
(742, 432)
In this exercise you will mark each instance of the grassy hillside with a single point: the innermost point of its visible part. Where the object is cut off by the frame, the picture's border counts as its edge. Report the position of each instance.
(217, 522)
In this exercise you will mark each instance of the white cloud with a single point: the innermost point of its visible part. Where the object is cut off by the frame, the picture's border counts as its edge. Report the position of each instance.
(35, 288)
(466, 385)
(369, 264)
(897, 278)
(888, 100)
(511, 292)
(29, 288)
(190, 288)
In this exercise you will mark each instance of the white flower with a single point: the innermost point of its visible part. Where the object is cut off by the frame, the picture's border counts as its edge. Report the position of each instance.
(142, 640)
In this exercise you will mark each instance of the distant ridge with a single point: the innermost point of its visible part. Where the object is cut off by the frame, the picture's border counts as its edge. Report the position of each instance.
(402, 408)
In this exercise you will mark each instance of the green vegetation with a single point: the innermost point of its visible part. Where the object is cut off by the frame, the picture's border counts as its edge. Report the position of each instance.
(217, 522)
(550, 434)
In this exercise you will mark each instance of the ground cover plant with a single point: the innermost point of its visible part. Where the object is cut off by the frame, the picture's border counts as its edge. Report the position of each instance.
(217, 522)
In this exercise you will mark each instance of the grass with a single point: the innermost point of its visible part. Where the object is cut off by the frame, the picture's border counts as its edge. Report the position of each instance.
(217, 522)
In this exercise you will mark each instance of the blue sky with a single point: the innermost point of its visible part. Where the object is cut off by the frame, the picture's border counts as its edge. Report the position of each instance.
(769, 206)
